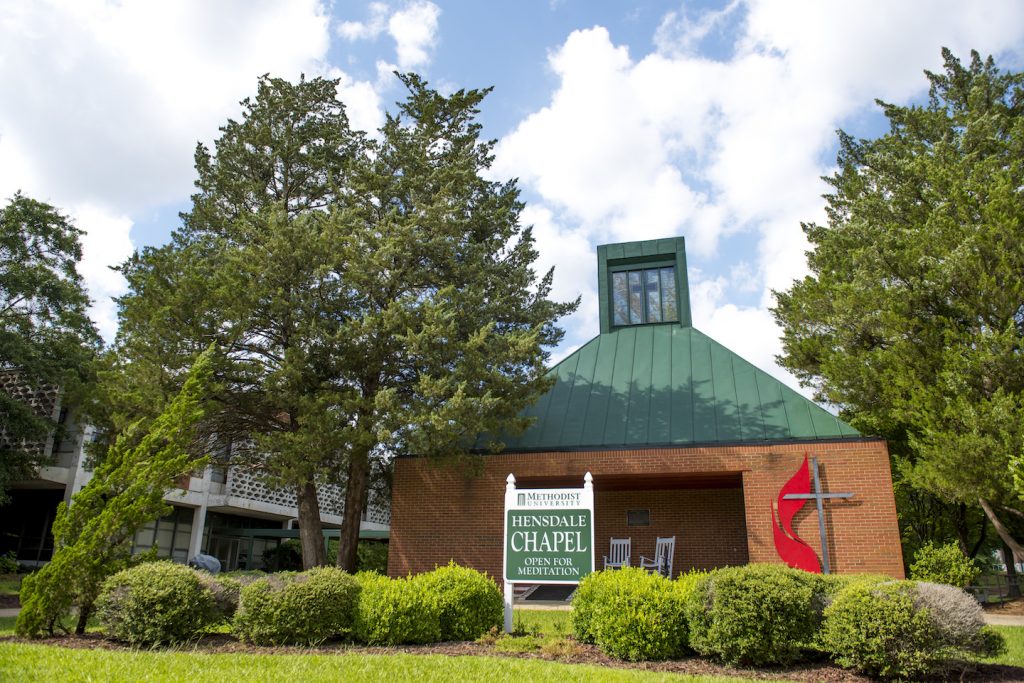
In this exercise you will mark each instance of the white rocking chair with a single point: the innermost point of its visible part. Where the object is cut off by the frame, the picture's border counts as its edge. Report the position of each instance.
(664, 551)
(619, 554)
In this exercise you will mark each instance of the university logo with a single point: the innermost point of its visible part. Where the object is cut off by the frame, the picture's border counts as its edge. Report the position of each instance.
(793, 495)
(522, 499)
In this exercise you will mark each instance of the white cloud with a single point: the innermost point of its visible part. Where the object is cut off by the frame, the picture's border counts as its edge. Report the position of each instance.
(679, 33)
(414, 29)
(106, 242)
(415, 32)
(366, 30)
(635, 147)
(104, 102)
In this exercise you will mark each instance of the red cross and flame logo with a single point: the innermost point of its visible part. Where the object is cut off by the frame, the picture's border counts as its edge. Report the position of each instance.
(793, 495)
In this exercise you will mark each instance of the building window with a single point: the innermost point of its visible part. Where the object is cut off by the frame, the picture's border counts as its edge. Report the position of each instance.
(644, 296)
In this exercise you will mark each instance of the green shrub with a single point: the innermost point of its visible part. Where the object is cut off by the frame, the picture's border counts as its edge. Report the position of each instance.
(469, 602)
(944, 564)
(878, 629)
(372, 556)
(755, 615)
(299, 609)
(8, 563)
(226, 591)
(640, 616)
(156, 603)
(396, 611)
(592, 590)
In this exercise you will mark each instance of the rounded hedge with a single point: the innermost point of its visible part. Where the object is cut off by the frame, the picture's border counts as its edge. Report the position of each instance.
(396, 611)
(591, 591)
(755, 615)
(156, 603)
(878, 630)
(944, 564)
(297, 609)
(905, 629)
(632, 614)
(469, 602)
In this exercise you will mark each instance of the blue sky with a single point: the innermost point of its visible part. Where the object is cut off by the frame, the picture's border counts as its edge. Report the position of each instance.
(622, 119)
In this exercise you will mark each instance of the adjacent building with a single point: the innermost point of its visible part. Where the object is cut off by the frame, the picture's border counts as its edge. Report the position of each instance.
(228, 512)
(684, 439)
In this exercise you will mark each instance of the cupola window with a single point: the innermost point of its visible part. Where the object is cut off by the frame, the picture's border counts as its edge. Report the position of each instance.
(644, 295)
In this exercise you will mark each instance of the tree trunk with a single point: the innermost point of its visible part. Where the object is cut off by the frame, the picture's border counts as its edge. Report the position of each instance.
(982, 535)
(311, 534)
(1011, 571)
(83, 618)
(355, 500)
(963, 533)
(1004, 533)
(960, 524)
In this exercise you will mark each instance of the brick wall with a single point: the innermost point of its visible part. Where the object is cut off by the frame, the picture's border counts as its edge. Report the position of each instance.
(440, 513)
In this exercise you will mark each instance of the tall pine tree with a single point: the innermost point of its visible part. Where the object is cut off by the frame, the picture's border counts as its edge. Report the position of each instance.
(370, 296)
(912, 319)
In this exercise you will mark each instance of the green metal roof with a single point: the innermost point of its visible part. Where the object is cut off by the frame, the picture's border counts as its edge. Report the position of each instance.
(666, 384)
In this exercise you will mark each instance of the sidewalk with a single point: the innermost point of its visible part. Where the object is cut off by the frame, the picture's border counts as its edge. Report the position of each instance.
(1004, 619)
(13, 612)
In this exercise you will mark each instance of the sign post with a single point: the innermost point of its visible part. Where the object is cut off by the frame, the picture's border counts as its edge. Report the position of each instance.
(549, 536)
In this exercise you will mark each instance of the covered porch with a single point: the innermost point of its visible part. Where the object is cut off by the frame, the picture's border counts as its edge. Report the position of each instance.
(705, 513)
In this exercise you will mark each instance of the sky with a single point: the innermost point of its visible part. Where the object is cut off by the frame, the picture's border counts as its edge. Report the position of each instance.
(623, 120)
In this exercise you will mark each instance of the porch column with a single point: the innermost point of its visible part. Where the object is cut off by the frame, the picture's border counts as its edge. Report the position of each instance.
(195, 543)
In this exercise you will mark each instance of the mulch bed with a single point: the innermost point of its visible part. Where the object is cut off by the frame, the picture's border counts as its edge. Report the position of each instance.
(584, 654)
(1009, 607)
(9, 602)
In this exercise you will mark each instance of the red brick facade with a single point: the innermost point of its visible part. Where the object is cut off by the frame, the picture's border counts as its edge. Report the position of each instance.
(715, 500)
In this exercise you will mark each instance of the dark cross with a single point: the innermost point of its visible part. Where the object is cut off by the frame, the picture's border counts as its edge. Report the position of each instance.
(819, 498)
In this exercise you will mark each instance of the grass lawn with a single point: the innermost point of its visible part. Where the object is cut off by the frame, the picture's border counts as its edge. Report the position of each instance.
(548, 622)
(10, 584)
(1014, 636)
(32, 662)
(21, 662)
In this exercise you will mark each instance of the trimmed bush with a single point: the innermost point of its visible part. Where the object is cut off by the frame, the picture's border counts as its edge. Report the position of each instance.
(297, 609)
(944, 564)
(469, 602)
(755, 615)
(639, 616)
(396, 611)
(959, 620)
(593, 589)
(156, 603)
(879, 630)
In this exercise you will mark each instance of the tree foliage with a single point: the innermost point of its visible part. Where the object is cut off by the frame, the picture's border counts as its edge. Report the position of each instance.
(92, 536)
(912, 318)
(46, 337)
(371, 296)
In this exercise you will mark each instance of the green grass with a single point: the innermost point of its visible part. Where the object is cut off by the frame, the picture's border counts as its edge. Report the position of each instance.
(10, 584)
(7, 626)
(546, 622)
(1014, 656)
(28, 662)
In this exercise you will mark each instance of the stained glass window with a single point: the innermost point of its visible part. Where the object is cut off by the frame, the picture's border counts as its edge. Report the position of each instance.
(644, 296)
(620, 299)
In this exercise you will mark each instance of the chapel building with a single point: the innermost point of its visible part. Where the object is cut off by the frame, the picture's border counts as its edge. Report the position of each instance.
(683, 438)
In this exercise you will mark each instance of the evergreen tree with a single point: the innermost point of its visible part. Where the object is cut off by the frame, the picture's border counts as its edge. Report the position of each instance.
(46, 338)
(912, 318)
(92, 537)
(370, 296)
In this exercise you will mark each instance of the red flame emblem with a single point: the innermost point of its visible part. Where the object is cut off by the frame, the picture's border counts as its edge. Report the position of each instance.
(793, 550)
